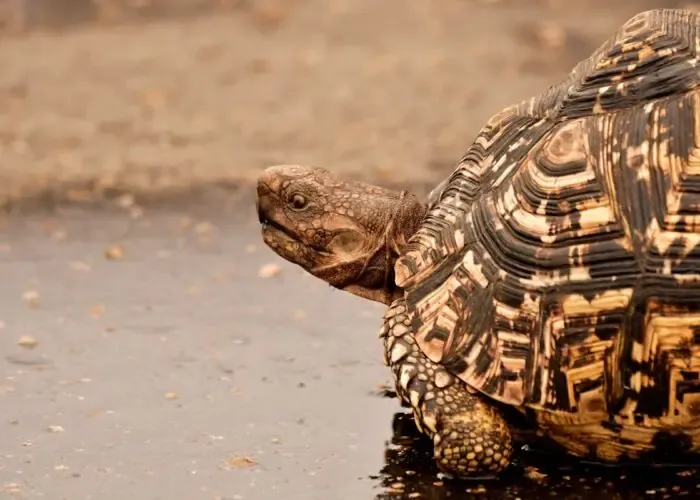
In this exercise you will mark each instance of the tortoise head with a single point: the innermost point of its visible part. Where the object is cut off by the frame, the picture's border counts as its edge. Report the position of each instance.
(349, 234)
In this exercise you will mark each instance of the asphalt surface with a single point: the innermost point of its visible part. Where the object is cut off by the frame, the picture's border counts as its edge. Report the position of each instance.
(166, 353)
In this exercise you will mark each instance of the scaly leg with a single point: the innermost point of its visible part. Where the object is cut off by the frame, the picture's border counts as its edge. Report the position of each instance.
(471, 438)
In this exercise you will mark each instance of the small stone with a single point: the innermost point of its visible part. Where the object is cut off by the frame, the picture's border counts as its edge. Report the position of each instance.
(80, 266)
(31, 297)
(27, 341)
(299, 314)
(126, 200)
(203, 228)
(269, 270)
(96, 311)
(156, 99)
(270, 13)
(55, 428)
(551, 36)
(114, 252)
(171, 395)
(59, 235)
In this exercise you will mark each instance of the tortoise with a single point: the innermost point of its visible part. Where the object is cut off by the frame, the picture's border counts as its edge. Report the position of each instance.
(555, 271)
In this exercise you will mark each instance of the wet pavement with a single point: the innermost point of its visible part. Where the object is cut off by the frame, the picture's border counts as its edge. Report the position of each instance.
(167, 353)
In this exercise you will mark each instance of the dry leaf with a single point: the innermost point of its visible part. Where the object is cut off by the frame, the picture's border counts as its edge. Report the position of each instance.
(239, 462)
(269, 270)
(171, 395)
(27, 341)
(11, 488)
(534, 474)
(114, 252)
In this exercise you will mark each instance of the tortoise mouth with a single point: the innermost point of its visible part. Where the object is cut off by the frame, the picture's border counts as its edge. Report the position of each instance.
(265, 207)
(271, 226)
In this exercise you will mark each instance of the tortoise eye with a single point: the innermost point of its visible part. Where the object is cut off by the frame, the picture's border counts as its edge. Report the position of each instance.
(298, 202)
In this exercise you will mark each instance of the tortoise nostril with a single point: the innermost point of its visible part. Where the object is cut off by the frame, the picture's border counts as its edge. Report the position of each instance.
(265, 208)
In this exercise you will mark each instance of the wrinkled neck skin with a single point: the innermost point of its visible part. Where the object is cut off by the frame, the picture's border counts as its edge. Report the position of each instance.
(371, 276)
(348, 234)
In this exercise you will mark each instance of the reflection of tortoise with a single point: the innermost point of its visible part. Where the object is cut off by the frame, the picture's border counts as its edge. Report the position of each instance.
(557, 270)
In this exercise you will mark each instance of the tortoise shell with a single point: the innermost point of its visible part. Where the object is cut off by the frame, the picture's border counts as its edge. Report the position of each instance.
(559, 266)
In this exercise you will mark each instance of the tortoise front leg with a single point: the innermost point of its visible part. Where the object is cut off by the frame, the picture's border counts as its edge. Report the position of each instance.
(471, 438)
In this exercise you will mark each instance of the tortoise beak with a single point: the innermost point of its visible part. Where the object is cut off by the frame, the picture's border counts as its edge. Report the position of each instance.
(263, 200)
(258, 208)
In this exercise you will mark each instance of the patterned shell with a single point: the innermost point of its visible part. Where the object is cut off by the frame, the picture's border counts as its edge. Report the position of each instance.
(559, 266)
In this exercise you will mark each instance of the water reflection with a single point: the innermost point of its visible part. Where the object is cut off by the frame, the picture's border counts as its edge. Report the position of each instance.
(410, 473)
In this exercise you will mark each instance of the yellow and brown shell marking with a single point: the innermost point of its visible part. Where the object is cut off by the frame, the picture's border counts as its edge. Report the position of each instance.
(560, 269)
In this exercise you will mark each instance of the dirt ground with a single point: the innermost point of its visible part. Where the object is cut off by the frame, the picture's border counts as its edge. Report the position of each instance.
(164, 96)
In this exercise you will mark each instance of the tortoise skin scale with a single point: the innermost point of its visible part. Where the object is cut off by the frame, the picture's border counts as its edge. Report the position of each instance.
(559, 267)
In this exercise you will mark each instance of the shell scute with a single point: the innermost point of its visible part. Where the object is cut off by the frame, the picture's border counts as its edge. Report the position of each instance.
(559, 265)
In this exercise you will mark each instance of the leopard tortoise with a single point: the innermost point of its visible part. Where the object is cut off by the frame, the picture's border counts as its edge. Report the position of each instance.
(556, 270)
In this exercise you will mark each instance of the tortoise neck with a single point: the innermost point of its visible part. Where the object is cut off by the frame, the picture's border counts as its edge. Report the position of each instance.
(403, 223)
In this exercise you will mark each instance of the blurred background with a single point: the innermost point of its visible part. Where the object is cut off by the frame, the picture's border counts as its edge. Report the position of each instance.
(161, 96)
(160, 350)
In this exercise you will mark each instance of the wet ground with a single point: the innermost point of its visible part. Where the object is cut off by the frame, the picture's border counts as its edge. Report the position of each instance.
(167, 353)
